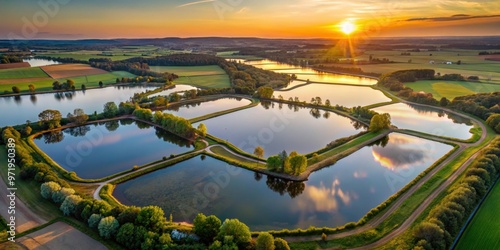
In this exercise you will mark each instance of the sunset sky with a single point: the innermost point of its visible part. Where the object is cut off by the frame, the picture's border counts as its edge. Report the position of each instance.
(72, 19)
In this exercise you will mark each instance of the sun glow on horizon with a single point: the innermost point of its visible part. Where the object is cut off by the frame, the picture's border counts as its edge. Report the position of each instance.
(347, 27)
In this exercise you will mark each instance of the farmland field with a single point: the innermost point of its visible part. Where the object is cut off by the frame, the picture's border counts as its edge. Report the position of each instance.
(211, 81)
(471, 63)
(483, 230)
(452, 89)
(71, 70)
(20, 73)
(190, 70)
(106, 78)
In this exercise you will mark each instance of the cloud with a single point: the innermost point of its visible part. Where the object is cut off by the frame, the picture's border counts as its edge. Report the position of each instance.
(450, 18)
(194, 3)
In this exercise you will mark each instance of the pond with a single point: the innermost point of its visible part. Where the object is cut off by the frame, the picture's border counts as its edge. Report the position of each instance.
(348, 96)
(310, 74)
(197, 109)
(277, 127)
(16, 110)
(428, 120)
(100, 150)
(176, 88)
(40, 62)
(333, 196)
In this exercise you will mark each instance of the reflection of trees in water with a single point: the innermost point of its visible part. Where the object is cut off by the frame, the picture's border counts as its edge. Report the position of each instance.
(282, 186)
(17, 99)
(441, 113)
(382, 142)
(316, 113)
(112, 125)
(326, 115)
(33, 98)
(358, 125)
(126, 122)
(169, 137)
(77, 131)
(257, 176)
(53, 137)
(142, 125)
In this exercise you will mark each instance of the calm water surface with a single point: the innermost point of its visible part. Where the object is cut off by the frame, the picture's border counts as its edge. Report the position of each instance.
(277, 127)
(333, 196)
(16, 110)
(348, 96)
(99, 150)
(428, 120)
(198, 109)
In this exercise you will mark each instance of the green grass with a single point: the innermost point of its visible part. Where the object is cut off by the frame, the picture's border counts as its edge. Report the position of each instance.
(226, 154)
(93, 80)
(472, 64)
(190, 70)
(452, 89)
(29, 192)
(96, 54)
(483, 231)
(211, 81)
(89, 81)
(21, 73)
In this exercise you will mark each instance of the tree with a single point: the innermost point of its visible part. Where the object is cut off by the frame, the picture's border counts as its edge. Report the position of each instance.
(202, 130)
(444, 102)
(100, 84)
(69, 84)
(50, 118)
(108, 227)
(298, 164)
(84, 87)
(259, 151)
(207, 228)
(152, 217)
(265, 241)
(56, 85)
(49, 188)
(327, 103)
(78, 117)
(281, 244)
(94, 220)
(69, 204)
(27, 130)
(494, 122)
(265, 92)
(59, 196)
(16, 89)
(431, 233)
(238, 230)
(110, 109)
(31, 87)
(274, 163)
(129, 215)
(380, 121)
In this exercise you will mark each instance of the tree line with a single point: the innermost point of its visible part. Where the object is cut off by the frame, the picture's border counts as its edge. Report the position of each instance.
(445, 220)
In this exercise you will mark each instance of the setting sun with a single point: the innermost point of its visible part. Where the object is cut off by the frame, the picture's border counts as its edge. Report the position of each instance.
(347, 27)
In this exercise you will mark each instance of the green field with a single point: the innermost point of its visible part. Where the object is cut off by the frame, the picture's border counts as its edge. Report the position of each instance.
(22, 73)
(471, 63)
(210, 81)
(89, 81)
(484, 230)
(452, 89)
(93, 80)
(190, 70)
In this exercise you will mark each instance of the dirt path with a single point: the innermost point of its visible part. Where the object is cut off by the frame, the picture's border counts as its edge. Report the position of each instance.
(25, 218)
(59, 236)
